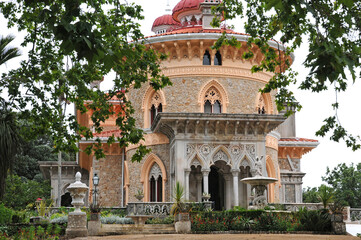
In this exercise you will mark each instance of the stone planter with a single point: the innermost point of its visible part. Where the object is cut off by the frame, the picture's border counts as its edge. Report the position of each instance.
(182, 224)
(94, 216)
(139, 197)
(206, 198)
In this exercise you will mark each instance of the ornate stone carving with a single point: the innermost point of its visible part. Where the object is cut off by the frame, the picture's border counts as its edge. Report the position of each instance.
(206, 149)
(220, 155)
(251, 149)
(190, 149)
(156, 100)
(235, 150)
(245, 163)
(212, 95)
(196, 163)
(155, 172)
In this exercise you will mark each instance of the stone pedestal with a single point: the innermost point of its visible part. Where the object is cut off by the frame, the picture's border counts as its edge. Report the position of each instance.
(338, 225)
(182, 223)
(94, 227)
(77, 225)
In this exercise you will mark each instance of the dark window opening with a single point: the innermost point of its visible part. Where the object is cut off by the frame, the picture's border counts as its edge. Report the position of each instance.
(208, 107)
(152, 190)
(218, 59)
(153, 113)
(206, 58)
(217, 107)
(159, 189)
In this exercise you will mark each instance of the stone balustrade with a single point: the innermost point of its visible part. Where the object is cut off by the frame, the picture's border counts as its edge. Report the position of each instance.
(155, 209)
(297, 206)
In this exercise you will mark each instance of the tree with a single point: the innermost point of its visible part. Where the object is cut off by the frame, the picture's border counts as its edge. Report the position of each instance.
(74, 44)
(346, 182)
(333, 30)
(309, 195)
(9, 136)
(6, 52)
(325, 195)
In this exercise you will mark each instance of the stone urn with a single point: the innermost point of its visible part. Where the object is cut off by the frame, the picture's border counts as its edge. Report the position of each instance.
(77, 221)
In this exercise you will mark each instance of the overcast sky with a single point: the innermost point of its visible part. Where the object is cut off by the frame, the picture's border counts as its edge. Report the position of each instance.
(316, 106)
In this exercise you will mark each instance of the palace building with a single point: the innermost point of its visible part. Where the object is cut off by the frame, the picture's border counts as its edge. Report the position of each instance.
(205, 131)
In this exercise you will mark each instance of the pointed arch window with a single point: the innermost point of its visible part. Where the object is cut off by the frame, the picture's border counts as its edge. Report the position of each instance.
(206, 58)
(218, 59)
(155, 184)
(212, 101)
(156, 107)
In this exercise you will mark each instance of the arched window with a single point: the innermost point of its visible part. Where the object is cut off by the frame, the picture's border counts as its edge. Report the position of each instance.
(155, 184)
(218, 59)
(207, 58)
(212, 101)
(156, 107)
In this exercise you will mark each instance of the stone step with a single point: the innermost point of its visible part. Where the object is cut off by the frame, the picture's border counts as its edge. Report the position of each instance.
(112, 229)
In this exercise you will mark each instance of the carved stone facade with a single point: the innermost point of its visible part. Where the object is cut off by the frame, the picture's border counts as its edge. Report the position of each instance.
(208, 129)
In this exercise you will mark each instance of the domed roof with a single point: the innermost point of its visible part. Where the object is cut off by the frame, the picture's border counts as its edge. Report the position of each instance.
(185, 5)
(164, 20)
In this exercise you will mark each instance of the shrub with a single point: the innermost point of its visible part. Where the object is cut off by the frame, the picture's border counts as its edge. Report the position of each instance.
(5, 215)
(112, 219)
(315, 220)
(59, 220)
(166, 220)
(241, 224)
(271, 222)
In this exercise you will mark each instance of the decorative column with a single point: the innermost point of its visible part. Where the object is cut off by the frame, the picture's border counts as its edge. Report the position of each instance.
(227, 178)
(199, 178)
(77, 221)
(235, 173)
(205, 180)
(187, 171)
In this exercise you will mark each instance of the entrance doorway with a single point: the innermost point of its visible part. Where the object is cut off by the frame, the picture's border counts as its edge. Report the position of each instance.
(218, 186)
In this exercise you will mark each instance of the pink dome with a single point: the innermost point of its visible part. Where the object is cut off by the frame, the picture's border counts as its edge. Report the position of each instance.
(185, 5)
(164, 20)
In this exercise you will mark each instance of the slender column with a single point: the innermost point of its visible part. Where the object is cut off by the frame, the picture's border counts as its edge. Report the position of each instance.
(199, 178)
(235, 173)
(227, 178)
(205, 180)
(187, 171)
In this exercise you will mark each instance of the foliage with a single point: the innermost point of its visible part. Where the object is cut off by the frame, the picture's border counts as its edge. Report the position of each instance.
(199, 223)
(43, 207)
(334, 41)
(5, 215)
(325, 195)
(112, 219)
(6, 52)
(9, 143)
(159, 220)
(94, 208)
(271, 221)
(346, 182)
(59, 219)
(241, 224)
(46, 231)
(309, 195)
(315, 220)
(179, 205)
(72, 45)
(24, 191)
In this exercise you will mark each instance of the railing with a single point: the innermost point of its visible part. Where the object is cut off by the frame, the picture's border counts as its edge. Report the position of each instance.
(297, 206)
(157, 209)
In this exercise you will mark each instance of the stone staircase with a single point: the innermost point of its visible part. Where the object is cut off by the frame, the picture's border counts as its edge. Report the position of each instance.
(121, 229)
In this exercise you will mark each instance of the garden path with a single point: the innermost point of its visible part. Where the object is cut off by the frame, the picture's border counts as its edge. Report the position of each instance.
(225, 237)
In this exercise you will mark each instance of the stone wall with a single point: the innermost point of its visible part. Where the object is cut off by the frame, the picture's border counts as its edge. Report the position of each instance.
(183, 96)
(109, 170)
(135, 168)
(273, 154)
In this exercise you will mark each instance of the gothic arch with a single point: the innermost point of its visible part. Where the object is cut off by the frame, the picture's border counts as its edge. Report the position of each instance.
(267, 102)
(147, 166)
(146, 103)
(229, 161)
(245, 157)
(221, 91)
(271, 172)
(126, 182)
(195, 157)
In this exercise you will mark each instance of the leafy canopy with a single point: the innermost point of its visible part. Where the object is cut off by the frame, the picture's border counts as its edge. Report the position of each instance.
(346, 182)
(73, 44)
(333, 31)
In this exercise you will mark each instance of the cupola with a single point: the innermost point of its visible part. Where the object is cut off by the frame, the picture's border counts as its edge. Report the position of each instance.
(187, 12)
(164, 24)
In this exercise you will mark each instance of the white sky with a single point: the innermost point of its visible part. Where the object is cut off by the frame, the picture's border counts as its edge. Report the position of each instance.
(316, 106)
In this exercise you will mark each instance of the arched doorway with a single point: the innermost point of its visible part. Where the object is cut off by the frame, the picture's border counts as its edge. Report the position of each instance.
(220, 185)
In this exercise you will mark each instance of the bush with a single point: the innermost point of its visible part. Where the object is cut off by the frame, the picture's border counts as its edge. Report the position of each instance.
(166, 220)
(60, 219)
(315, 220)
(241, 224)
(271, 222)
(5, 215)
(112, 219)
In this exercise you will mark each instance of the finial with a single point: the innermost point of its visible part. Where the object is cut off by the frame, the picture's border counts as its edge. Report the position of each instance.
(77, 177)
(167, 9)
